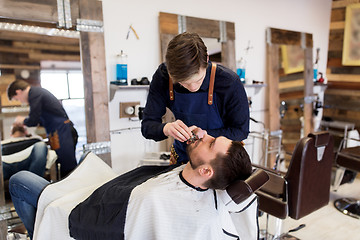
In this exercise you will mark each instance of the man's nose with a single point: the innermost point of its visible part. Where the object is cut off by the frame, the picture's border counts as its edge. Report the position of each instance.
(207, 137)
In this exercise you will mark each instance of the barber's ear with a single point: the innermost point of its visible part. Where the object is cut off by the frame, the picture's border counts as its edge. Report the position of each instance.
(206, 171)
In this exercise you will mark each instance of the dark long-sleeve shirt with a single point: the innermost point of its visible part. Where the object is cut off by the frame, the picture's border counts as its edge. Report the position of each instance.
(41, 102)
(231, 102)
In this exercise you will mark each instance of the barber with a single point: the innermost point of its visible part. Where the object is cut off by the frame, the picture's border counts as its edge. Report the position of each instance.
(45, 109)
(199, 93)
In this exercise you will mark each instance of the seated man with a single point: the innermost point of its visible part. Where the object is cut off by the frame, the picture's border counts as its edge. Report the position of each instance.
(157, 202)
(23, 152)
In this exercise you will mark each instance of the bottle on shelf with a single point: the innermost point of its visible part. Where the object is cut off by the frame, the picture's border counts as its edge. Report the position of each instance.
(316, 66)
(121, 69)
(240, 69)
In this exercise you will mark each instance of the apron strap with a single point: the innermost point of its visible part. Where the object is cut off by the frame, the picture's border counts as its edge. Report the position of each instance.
(171, 89)
(211, 84)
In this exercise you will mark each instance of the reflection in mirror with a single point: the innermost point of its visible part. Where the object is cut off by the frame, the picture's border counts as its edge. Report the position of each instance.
(214, 49)
(291, 94)
(290, 79)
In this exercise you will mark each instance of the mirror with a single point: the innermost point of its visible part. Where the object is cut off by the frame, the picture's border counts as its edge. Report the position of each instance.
(214, 49)
(291, 94)
(290, 81)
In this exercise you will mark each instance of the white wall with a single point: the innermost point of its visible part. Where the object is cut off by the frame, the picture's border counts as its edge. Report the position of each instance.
(251, 18)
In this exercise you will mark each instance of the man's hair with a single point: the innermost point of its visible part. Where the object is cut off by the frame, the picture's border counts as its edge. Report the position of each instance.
(19, 128)
(16, 85)
(185, 54)
(234, 165)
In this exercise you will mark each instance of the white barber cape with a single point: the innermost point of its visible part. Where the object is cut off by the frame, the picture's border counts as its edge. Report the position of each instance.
(166, 207)
(161, 208)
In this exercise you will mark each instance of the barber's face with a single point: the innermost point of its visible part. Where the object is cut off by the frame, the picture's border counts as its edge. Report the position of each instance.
(206, 148)
(194, 82)
(21, 96)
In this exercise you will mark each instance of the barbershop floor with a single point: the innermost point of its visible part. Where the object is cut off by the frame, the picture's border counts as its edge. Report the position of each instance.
(326, 223)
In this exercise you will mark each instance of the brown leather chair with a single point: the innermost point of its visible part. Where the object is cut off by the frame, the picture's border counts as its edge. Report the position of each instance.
(349, 159)
(305, 187)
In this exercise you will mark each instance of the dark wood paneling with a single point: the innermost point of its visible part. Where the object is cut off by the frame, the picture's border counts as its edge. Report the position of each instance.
(341, 99)
(168, 23)
(204, 27)
(280, 36)
(338, 14)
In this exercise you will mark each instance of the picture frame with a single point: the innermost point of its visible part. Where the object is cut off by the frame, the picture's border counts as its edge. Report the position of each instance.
(293, 58)
(351, 45)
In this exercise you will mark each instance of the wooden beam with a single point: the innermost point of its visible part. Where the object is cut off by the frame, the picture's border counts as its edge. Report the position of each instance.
(280, 36)
(343, 3)
(94, 72)
(291, 84)
(10, 49)
(32, 37)
(337, 25)
(308, 91)
(55, 57)
(204, 27)
(168, 23)
(37, 11)
(44, 11)
(344, 85)
(47, 46)
(334, 62)
(343, 77)
(337, 14)
(12, 66)
(228, 58)
(272, 55)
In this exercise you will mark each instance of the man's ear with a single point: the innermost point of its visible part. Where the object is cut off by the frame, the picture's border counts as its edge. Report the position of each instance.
(18, 91)
(206, 171)
(207, 58)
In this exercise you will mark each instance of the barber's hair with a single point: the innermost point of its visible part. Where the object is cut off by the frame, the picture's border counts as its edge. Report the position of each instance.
(234, 165)
(185, 55)
(16, 85)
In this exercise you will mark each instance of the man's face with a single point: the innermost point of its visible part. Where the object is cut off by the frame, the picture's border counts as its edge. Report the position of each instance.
(207, 148)
(21, 96)
(194, 82)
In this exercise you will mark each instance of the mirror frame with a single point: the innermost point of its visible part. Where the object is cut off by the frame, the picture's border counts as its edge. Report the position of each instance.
(276, 37)
(171, 25)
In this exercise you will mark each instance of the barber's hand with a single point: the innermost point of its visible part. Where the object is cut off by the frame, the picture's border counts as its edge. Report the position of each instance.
(198, 131)
(19, 120)
(177, 130)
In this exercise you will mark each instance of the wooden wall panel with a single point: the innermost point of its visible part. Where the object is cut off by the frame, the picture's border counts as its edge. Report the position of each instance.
(204, 27)
(342, 97)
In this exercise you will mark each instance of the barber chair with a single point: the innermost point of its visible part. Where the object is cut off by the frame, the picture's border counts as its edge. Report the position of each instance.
(305, 187)
(348, 159)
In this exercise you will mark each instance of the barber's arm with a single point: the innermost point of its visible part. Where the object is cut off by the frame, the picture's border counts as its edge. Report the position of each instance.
(35, 111)
(151, 125)
(235, 114)
(19, 120)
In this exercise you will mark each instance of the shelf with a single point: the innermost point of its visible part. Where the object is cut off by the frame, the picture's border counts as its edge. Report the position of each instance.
(114, 88)
(255, 85)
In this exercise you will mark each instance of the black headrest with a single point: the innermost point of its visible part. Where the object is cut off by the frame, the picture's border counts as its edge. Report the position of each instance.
(241, 190)
(321, 138)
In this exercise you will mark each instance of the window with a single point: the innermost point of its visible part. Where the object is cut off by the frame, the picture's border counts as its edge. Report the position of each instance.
(68, 87)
